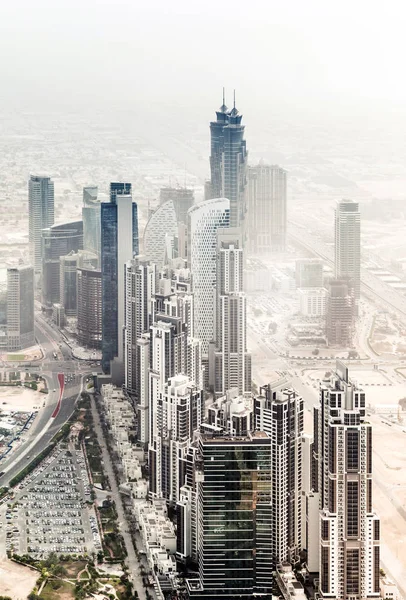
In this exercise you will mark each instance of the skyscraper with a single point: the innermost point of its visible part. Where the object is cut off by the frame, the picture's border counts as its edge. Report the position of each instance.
(91, 221)
(309, 273)
(20, 307)
(228, 161)
(161, 223)
(205, 219)
(349, 528)
(89, 307)
(234, 507)
(40, 215)
(182, 198)
(232, 362)
(119, 243)
(340, 313)
(348, 244)
(266, 209)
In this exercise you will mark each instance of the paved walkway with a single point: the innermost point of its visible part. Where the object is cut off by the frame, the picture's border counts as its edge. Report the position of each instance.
(132, 560)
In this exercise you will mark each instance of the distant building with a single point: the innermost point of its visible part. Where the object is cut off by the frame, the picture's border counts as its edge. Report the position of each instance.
(349, 527)
(205, 219)
(91, 221)
(40, 215)
(182, 198)
(312, 301)
(68, 283)
(20, 307)
(266, 209)
(228, 161)
(57, 241)
(340, 313)
(89, 308)
(119, 244)
(348, 244)
(309, 273)
(162, 223)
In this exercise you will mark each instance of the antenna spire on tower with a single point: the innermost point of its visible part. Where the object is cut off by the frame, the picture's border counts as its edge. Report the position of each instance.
(224, 97)
(234, 98)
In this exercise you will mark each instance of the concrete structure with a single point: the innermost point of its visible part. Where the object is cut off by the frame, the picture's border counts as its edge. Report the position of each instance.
(228, 161)
(232, 361)
(340, 313)
(57, 241)
(119, 244)
(40, 216)
(205, 219)
(232, 413)
(349, 528)
(182, 198)
(266, 209)
(20, 307)
(309, 273)
(91, 221)
(290, 587)
(89, 307)
(348, 244)
(312, 301)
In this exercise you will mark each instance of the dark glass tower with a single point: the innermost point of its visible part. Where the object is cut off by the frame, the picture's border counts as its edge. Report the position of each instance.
(119, 243)
(228, 161)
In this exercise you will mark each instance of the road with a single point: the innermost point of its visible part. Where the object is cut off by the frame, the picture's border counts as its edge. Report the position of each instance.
(132, 560)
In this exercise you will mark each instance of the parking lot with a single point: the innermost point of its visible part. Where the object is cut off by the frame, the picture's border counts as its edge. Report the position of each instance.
(52, 511)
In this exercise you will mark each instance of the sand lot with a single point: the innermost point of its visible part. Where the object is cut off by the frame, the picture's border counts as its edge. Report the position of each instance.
(16, 581)
(20, 398)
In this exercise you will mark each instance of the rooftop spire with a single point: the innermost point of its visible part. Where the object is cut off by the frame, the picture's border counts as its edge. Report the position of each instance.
(224, 97)
(234, 99)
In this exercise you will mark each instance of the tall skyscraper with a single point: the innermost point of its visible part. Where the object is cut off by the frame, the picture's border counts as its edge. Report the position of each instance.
(91, 221)
(40, 215)
(232, 361)
(228, 161)
(162, 222)
(205, 219)
(349, 528)
(89, 307)
(234, 507)
(182, 198)
(348, 244)
(20, 307)
(340, 313)
(119, 243)
(309, 273)
(57, 241)
(266, 209)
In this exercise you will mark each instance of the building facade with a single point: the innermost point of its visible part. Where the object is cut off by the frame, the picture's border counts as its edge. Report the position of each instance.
(91, 221)
(309, 273)
(349, 528)
(20, 307)
(340, 313)
(89, 307)
(266, 209)
(40, 216)
(348, 244)
(162, 223)
(119, 244)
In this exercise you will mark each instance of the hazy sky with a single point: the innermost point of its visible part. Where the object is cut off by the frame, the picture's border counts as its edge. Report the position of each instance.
(295, 55)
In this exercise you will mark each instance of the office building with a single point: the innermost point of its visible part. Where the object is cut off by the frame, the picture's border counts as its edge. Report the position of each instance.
(234, 508)
(266, 209)
(68, 283)
(57, 241)
(349, 528)
(119, 244)
(40, 216)
(91, 221)
(231, 413)
(20, 307)
(205, 219)
(232, 361)
(340, 313)
(312, 302)
(348, 244)
(228, 161)
(279, 413)
(89, 307)
(140, 288)
(309, 273)
(182, 199)
(161, 224)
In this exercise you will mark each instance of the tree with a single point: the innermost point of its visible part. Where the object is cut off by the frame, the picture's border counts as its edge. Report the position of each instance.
(316, 352)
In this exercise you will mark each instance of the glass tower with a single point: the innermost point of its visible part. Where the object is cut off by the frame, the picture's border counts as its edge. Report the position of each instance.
(40, 215)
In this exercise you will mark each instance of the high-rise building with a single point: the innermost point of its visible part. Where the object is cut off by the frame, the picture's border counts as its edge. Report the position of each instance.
(234, 508)
(228, 161)
(309, 273)
(162, 223)
(266, 209)
(279, 413)
(349, 528)
(140, 288)
(348, 244)
(119, 244)
(340, 313)
(20, 307)
(57, 241)
(91, 221)
(68, 283)
(182, 198)
(40, 215)
(205, 219)
(232, 361)
(89, 307)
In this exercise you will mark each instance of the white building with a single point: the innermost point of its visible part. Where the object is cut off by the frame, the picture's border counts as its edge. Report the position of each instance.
(312, 301)
(348, 243)
(40, 215)
(162, 223)
(349, 528)
(205, 219)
